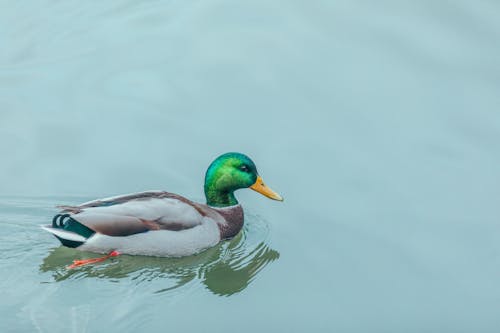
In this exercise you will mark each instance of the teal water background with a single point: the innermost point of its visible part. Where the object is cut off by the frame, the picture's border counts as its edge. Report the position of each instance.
(379, 122)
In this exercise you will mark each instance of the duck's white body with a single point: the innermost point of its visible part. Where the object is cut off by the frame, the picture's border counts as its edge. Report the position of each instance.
(160, 243)
(154, 223)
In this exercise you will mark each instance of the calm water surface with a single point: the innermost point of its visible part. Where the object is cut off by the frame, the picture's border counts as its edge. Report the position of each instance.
(378, 122)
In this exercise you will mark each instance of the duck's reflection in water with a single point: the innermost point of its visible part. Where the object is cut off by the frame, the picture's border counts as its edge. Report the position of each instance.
(225, 269)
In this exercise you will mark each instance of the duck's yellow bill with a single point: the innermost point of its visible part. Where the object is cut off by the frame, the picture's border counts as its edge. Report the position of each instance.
(262, 188)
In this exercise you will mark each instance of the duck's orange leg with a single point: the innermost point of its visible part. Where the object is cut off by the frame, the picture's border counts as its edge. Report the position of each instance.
(78, 263)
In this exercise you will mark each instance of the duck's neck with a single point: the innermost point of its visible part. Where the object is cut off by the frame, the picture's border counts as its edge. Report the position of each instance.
(217, 198)
(219, 186)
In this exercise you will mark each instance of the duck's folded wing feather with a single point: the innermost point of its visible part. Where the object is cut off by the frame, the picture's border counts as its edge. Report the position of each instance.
(139, 214)
(116, 200)
(111, 225)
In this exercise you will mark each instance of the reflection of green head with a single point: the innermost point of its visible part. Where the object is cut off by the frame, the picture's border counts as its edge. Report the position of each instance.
(228, 173)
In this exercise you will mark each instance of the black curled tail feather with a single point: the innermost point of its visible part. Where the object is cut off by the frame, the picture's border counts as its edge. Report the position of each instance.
(58, 220)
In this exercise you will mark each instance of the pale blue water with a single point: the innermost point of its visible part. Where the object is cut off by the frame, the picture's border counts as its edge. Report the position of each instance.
(378, 122)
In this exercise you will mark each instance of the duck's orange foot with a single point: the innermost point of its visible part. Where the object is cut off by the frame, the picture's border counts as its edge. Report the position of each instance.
(78, 263)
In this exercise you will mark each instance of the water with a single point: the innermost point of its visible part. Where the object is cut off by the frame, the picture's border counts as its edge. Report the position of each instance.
(378, 123)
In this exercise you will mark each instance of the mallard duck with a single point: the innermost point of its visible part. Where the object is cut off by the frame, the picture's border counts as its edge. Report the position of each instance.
(159, 223)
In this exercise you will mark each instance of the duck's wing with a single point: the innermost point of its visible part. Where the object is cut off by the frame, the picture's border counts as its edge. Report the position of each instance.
(135, 213)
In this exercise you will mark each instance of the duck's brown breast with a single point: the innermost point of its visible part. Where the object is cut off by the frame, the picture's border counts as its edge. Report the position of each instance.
(233, 218)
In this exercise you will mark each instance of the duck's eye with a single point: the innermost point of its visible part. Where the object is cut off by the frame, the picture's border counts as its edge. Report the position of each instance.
(244, 168)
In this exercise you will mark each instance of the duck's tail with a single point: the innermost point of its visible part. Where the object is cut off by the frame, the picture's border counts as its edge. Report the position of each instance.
(70, 232)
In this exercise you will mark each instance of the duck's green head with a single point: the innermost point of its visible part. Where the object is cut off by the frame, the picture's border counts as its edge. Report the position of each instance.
(230, 172)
